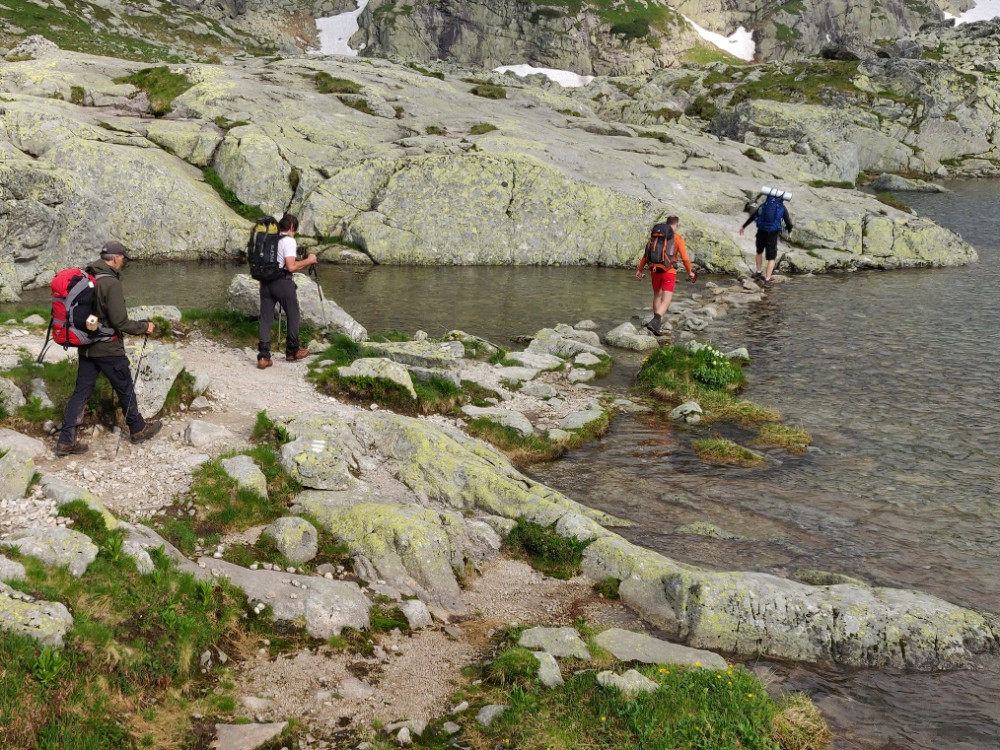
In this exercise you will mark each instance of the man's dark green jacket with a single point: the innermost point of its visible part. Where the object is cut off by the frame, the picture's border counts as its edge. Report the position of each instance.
(109, 306)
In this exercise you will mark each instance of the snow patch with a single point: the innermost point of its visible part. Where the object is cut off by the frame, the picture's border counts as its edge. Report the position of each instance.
(564, 78)
(335, 31)
(984, 10)
(739, 44)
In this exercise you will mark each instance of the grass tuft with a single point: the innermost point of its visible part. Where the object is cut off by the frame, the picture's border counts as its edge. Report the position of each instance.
(546, 550)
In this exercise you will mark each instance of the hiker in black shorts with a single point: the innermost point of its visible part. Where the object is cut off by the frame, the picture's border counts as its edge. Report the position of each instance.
(769, 216)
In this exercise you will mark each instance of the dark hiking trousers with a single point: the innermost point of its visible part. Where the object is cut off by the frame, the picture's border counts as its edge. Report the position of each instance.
(116, 370)
(281, 292)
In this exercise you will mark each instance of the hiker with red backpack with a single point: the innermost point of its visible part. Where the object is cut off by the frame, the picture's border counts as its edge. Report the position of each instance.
(769, 216)
(660, 255)
(105, 354)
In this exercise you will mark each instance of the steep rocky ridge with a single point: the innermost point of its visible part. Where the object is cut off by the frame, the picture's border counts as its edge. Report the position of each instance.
(410, 169)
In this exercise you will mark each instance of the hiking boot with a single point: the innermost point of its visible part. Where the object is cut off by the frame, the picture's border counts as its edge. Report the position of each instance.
(757, 276)
(653, 327)
(768, 283)
(70, 449)
(147, 432)
(263, 363)
(300, 354)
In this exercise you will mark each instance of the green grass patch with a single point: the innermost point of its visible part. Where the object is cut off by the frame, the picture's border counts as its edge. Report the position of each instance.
(754, 154)
(434, 130)
(691, 708)
(681, 369)
(327, 84)
(520, 449)
(704, 54)
(436, 396)
(223, 507)
(424, 72)
(719, 450)
(569, 112)
(843, 184)
(481, 128)
(212, 179)
(702, 107)
(489, 91)
(792, 439)
(545, 550)
(814, 82)
(134, 645)
(894, 202)
(160, 84)
(359, 103)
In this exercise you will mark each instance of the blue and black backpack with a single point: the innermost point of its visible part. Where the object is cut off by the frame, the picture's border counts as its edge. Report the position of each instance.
(770, 212)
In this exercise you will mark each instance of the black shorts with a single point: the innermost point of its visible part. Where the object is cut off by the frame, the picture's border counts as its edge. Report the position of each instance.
(767, 242)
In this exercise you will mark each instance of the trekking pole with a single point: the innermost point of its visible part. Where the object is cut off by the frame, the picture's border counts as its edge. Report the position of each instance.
(319, 290)
(128, 406)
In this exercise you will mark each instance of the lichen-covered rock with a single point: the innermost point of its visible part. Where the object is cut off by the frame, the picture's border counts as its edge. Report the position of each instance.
(16, 471)
(626, 645)
(55, 546)
(505, 417)
(374, 368)
(550, 341)
(246, 473)
(757, 613)
(556, 641)
(61, 492)
(294, 537)
(11, 397)
(46, 622)
(409, 547)
(158, 367)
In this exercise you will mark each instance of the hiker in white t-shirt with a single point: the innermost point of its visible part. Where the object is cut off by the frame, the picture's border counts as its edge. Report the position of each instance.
(282, 292)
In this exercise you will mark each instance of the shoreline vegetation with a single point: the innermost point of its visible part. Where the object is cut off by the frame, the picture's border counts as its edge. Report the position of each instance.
(132, 672)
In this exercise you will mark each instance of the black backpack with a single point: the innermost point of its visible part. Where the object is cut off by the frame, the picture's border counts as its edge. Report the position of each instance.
(661, 248)
(262, 250)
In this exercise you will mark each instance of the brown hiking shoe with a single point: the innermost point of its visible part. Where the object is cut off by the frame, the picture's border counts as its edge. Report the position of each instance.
(147, 432)
(71, 449)
(263, 363)
(300, 354)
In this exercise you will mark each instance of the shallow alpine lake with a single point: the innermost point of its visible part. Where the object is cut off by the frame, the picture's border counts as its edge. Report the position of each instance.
(895, 375)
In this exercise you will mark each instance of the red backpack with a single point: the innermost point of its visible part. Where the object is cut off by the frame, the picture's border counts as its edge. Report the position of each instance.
(74, 322)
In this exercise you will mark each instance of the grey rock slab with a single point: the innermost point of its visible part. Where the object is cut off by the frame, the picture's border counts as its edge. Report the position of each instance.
(548, 669)
(147, 312)
(138, 553)
(55, 546)
(155, 367)
(15, 441)
(549, 341)
(630, 682)
(351, 688)
(417, 614)
(685, 409)
(10, 569)
(513, 419)
(327, 606)
(10, 395)
(295, 538)
(488, 713)
(536, 360)
(245, 736)
(40, 391)
(323, 313)
(626, 645)
(586, 359)
(580, 375)
(16, 471)
(320, 463)
(246, 473)
(202, 434)
(442, 355)
(626, 336)
(516, 374)
(556, 641)
(539, 390)
(580, 419)
(46, 622)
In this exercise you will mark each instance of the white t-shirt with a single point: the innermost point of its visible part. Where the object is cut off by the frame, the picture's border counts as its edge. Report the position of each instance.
(287, 248)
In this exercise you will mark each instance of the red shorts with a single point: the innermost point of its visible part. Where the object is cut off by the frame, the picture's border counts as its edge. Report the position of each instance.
(663, 281)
